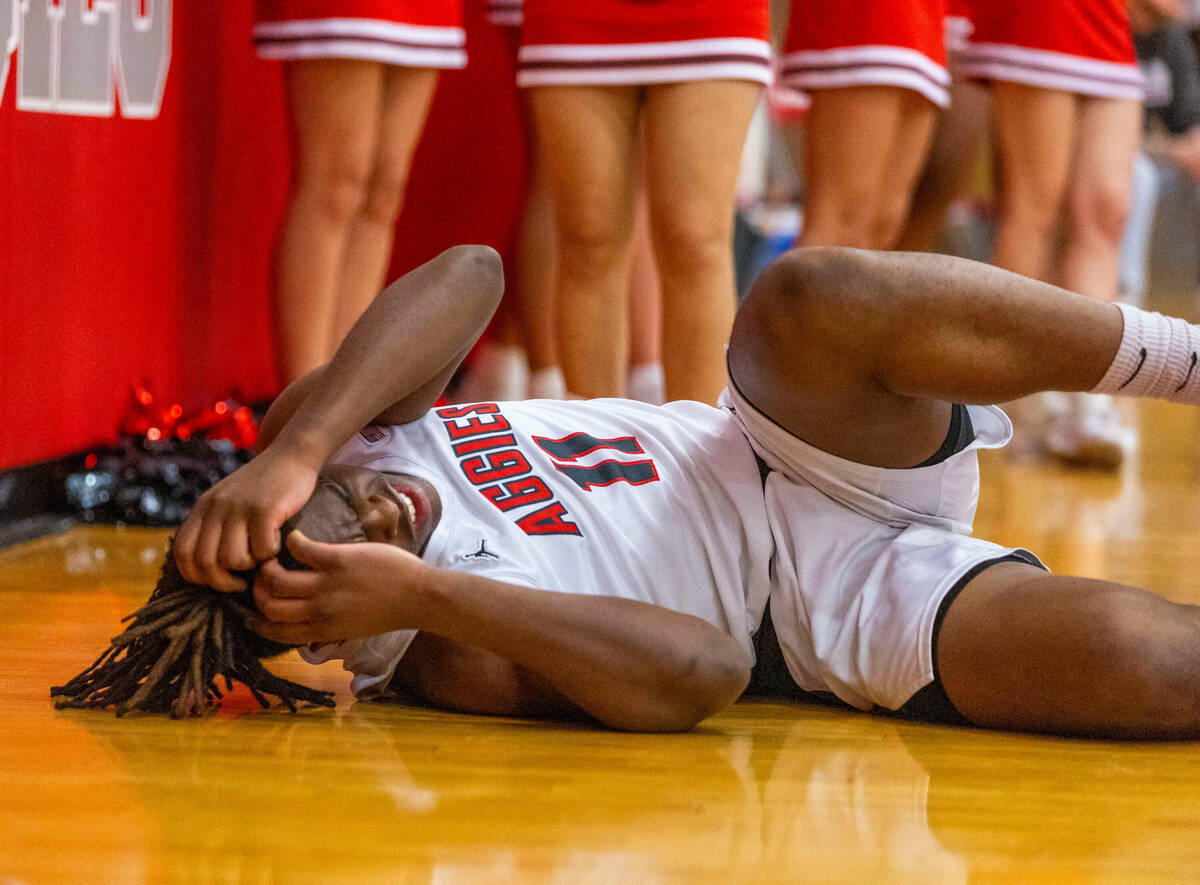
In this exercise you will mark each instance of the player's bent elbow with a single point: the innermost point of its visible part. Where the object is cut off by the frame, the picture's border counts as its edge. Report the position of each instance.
(712, 680)
(479, 266)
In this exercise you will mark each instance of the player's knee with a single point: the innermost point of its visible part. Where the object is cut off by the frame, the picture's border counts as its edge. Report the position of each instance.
(805, 280)
(801, 294)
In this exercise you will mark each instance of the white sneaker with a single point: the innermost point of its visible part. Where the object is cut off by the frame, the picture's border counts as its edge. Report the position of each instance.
(1090, 433)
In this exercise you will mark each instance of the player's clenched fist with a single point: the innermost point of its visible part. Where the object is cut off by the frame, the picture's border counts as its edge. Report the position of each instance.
(236, 524)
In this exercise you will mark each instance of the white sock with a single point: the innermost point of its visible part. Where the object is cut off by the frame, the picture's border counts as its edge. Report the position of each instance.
(647, 383)
(1157, 358)
(547, 384)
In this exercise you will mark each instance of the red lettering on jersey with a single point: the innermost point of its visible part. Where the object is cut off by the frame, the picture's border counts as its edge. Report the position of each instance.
(490, 457)
(517, 493)
(549, 520)
(476, 426)
(471, 446)
(464, 411)
(485, 469)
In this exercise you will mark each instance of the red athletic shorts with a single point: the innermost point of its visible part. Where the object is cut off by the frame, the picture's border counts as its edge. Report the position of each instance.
(412, 33)
(624, 42)
(867, 43)
(1081, 46)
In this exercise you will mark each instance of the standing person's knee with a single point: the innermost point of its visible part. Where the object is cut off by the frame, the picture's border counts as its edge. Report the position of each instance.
(1033, 209)
(1099, 210)
(384, 193)
(689, 241)
(596, 233)
(338, 185)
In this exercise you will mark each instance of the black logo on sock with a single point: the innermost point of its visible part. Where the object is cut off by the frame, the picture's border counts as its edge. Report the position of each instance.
(1188, 376)
(1141, 362)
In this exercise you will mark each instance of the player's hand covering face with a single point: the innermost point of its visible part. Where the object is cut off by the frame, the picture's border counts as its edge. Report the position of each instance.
(352, 588)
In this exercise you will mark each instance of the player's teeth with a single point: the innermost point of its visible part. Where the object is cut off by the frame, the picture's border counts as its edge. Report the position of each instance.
(410, 507)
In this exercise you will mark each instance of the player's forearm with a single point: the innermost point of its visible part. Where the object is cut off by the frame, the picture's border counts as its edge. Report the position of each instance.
(416, 328)
(629, 665)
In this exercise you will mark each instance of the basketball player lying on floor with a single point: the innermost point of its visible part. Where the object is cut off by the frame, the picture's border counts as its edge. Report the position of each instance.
(629, 563)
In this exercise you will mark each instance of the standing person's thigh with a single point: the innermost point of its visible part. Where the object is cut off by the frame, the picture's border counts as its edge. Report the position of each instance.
(950, 164)
(1035, 130)
(694, 135)
(910, 147)
(406, 96)
(334, 105)
(587, 139)
(1022, 649)
(848, 137)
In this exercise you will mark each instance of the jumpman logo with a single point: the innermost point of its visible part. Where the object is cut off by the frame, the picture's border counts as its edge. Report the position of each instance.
(482, 552)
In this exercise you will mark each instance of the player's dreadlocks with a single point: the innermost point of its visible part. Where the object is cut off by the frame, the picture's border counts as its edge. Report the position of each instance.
(179, 642)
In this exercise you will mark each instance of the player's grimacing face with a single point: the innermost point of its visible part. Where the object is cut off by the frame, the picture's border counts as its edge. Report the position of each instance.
(351, 504)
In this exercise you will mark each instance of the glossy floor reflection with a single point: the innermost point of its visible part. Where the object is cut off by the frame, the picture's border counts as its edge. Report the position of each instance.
(762, 793)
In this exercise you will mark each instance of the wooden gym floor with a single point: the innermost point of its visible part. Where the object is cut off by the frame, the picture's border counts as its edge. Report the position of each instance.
(761, 793)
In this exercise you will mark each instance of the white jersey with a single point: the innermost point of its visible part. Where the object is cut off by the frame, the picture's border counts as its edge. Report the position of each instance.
(605, 498)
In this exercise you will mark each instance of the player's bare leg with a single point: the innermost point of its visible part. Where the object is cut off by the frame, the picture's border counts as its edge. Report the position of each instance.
(407, 95)
(694, 134)
(863, 150)
(888, 341)
(860, 353)
(1022, 649)
(587, 137)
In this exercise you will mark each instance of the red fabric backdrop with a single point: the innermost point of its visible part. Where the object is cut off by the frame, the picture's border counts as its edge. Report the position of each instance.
(140, 248)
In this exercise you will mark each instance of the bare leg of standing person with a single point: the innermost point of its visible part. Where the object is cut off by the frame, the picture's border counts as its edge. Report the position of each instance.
(956, 144)
(587, 137)
(863, 150)
(1035, 131)
(694, 137)
(646, 381)
(334, 106)
(536, 261)
(407, 95)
